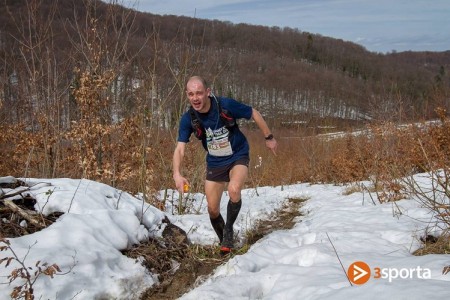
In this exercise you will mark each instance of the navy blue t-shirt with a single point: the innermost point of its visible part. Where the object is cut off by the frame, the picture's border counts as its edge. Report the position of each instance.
(224, 146)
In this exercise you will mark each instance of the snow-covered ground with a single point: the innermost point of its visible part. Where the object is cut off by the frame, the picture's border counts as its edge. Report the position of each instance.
(310, 261)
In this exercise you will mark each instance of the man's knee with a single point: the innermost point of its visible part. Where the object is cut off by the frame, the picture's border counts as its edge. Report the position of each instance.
(213, 212)
(234, 191)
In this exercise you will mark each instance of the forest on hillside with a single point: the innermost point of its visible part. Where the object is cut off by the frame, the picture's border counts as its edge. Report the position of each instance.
(291, 75)
(95, 90)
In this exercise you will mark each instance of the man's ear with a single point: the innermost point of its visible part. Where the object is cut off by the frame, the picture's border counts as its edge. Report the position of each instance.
(208, 92)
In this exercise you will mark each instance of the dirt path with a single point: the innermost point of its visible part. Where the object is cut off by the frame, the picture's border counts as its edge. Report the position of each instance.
(196, 263)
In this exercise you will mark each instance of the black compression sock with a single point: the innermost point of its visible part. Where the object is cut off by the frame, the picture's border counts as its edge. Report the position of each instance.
(233, 209)
(218, 224)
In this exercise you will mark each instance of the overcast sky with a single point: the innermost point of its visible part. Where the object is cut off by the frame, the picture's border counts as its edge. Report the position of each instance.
(378, 25)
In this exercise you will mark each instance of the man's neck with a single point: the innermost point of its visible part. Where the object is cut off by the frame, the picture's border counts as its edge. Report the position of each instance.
(207, 106)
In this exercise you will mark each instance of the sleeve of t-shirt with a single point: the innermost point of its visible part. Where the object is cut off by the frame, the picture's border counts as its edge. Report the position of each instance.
(185, 129)
(238, 110)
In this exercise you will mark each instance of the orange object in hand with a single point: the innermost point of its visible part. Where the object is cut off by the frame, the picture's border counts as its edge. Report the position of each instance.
(186, 188)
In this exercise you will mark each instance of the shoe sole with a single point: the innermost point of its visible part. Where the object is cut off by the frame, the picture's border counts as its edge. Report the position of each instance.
(225, 250)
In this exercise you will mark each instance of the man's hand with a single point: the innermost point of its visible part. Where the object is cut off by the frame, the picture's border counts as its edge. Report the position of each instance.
(272, 145)
(180, 182)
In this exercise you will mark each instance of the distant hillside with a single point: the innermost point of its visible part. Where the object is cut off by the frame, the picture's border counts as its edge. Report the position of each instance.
(288, 74)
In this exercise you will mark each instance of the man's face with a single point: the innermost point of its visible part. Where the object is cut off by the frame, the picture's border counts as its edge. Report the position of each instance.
(198, 96)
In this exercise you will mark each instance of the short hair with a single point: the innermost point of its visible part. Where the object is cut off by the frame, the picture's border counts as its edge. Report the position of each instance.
(199, 78)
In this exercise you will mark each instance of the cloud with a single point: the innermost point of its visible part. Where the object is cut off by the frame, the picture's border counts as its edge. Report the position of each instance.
(380, 25)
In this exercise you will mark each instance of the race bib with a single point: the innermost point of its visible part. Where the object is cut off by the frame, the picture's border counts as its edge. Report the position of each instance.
(218, 143)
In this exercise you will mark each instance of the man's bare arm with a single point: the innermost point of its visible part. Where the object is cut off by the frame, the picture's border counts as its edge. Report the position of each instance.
(272, 144)
(178, 156)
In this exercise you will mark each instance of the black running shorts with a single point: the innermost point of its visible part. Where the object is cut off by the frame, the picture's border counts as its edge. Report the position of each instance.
(222, 174)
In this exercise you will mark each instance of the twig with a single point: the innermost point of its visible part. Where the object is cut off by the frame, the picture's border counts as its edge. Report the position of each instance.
(370, 195)
(4, 196)
(446, 270)
(118, 200)
(28, 161)
(49, 193)
(73, 197)
(339, 259)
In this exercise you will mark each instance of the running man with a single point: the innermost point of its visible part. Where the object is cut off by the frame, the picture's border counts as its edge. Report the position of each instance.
(213, 120)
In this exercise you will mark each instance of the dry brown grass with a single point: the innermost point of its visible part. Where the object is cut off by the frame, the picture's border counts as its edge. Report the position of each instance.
(439, 245)
(132, 157)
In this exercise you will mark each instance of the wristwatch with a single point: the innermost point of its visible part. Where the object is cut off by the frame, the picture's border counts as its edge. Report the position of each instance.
(269, 137)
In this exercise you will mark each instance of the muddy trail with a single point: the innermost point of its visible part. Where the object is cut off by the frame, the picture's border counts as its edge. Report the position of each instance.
(182, 267)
